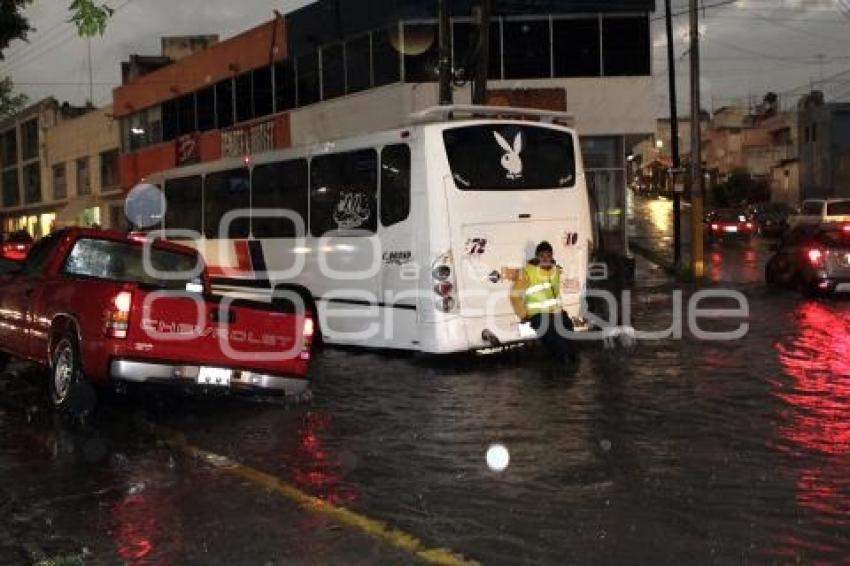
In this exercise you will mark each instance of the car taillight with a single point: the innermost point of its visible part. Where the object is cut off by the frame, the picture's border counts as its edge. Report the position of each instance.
(749, 225)
(715, 227)
(815, 257)
(117, 316)
(444, 283)
(307, 333)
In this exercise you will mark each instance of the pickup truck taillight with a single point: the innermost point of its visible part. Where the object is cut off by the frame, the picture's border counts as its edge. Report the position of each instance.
(307, 333)
(117, 316)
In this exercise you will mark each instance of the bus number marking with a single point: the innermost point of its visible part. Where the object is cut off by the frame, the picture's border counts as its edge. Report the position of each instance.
(476, 246)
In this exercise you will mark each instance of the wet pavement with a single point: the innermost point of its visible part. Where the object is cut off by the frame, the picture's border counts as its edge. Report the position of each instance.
(732, 262)
(676, 451)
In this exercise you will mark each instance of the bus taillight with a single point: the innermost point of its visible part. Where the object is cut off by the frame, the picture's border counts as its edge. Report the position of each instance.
(444, 283)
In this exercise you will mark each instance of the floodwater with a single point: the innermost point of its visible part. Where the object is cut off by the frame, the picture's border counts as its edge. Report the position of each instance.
(675, 451)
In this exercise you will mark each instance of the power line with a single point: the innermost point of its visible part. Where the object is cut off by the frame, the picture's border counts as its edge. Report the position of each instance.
(67, 35)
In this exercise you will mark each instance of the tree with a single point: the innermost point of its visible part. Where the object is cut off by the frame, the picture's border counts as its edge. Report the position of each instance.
(10, 103)
(89, 16)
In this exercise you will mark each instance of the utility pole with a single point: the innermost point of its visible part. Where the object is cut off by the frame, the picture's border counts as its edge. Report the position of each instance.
(697, 185)
(445, 54)
(482, 16)
(91, 73)
(674, 139)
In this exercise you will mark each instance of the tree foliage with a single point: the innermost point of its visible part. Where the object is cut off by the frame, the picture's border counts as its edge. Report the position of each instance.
(10, 103)
(89, 16)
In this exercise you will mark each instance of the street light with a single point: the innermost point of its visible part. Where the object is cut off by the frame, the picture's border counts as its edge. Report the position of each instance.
(659, 144)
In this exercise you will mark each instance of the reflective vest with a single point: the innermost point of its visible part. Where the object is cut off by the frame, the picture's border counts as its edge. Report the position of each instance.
(544, 287)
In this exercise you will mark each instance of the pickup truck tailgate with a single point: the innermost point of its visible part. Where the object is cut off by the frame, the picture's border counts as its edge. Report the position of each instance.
(217, 332)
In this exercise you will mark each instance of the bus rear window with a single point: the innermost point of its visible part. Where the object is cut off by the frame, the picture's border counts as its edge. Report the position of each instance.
(509, 157)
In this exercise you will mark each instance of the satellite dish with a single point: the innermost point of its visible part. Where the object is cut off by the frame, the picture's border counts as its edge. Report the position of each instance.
(145, 206)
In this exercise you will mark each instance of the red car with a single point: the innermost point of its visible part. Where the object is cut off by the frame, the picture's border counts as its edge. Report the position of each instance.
(729, 224)
(16, 246)
(98, 307)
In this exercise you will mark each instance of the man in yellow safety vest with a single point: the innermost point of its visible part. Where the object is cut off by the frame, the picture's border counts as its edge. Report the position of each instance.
(536, 298)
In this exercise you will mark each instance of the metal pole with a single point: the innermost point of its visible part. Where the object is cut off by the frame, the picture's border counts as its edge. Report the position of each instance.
(482, 62)
(91, 74)
(445, 54)
(674, 138)
(697, 185)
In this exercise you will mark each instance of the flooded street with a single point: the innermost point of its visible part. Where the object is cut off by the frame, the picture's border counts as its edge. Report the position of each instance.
(673, 451)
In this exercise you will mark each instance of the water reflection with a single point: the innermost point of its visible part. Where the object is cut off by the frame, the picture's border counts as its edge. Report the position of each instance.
(317, 470)
(815, 425)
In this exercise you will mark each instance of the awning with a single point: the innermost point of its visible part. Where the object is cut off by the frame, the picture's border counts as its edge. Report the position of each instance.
(70, 214)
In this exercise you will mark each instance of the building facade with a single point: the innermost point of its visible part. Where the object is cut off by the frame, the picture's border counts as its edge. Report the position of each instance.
(83, 158)
(24, 169)
(824, 148)
(335, 69)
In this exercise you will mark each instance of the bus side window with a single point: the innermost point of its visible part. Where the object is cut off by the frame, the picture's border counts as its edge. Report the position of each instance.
(183, 204)
(226, 191)
(279, 188)
(344, 193)
(395, 184)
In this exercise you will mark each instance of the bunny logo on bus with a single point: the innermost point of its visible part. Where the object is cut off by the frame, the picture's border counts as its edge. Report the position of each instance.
(511, 160)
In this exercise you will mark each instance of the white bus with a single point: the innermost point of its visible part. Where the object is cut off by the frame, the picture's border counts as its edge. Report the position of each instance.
(406, 239)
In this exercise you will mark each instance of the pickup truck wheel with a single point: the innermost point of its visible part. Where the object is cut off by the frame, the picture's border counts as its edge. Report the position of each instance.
(69, 391)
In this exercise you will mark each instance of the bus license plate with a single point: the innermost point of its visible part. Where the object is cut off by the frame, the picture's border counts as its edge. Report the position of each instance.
(214, 376)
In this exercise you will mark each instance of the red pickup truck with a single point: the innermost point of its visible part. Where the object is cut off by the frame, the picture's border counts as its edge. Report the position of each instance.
(97, 307)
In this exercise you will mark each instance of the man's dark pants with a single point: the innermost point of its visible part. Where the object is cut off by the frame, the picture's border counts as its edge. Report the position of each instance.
(554, 330)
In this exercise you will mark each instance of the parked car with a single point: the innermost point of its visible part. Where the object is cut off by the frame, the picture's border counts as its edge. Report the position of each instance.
(98, 307)
(729, 224)
(16, 245)
(770, 219)
(819, 211)
(814, 259)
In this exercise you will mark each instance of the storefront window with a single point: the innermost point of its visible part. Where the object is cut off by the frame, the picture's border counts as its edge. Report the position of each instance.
(170, 120)
(186, 110)
(284, 76)
(90, 217)
(244, 98)
(386, 61)
(604, 162)
(205, 102)
(576, 47)
(625, 46)
(262, 83)
(358, 67)
(307, 67)
(526, 49)
(224, 103)
(333, 71)
(464, 42)
(421, 53)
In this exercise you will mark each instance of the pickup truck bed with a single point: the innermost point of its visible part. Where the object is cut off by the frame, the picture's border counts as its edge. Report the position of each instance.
(99, 307)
